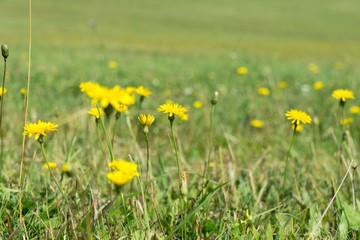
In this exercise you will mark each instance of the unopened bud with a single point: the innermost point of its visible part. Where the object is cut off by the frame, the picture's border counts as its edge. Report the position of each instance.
(5, 51)
(215, 98)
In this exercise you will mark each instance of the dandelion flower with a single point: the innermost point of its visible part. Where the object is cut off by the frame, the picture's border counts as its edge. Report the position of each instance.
(50, 165)
(173, 109)
(346, 121)
(297, 117)
(197, 104)
(39, 129)
(112, 64)
(66, 168)
(343, 94)
(313, 68)
(120, 108)
(146, 120)
(23, 91)
(256, 123)
(142, 91)
(1, 90)
(282, 84)
(318, 85)
(95, 112)
(242, 70)
(355, 110)
(263, 91)
(124, 172)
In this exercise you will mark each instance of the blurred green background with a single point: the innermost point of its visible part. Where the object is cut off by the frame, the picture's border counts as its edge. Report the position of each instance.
(261, 28)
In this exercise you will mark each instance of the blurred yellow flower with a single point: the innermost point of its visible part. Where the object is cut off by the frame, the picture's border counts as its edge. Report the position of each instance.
(299, 128)
(242, 70)
(355, 109)
(343, 94)
(120, 108)
(1, 90)
(313, 68)
(95, 112)
(142, 91)
(146, 120)
(23, 91)
(346, 121)
(66, 168)
(173, 109)
(39, 129)
(263, 91)
(50, 165)
(282, 84)
(112, 64)
(256, 123)
(124, 172)
(197, 104)
(318, 85)
(297, 117)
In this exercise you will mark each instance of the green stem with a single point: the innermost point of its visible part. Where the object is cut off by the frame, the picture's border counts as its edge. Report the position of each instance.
(147, 158)
(108, 142)
(176, 153)
(287, 158)
(211, 147)
(117, 116)
(1, 115)
(51, 173)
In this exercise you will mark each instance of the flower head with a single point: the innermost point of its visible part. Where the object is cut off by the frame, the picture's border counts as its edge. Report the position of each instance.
(3, 89)
(50, 165)
(197, 104)
(263, 91)
(23, 91)
(313, 68)
(174, 109)
(256, 123)
(242, 70)
(343, 94)
(318, 85)
(146, 120)
(346, 121)
(39, 129)
(124, 172)
(297, 117)
(112, 64)
(142, 91)
(355, 109)
(282, 84)
(95, 112)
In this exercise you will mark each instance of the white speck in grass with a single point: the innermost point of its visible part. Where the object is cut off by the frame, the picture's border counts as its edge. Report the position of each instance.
(305, 88)
(188, 91)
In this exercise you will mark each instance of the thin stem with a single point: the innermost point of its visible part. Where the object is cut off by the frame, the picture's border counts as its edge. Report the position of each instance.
(210, 147)
(20, 187)
(106, 136)
(51, 173)
(287, 158)
(147, 158)
(117, 116)
(176, 153)
(1, 115)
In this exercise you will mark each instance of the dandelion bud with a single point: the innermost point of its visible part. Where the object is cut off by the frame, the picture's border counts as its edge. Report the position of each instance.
(183, 187)
(5, 51)
(215, 98)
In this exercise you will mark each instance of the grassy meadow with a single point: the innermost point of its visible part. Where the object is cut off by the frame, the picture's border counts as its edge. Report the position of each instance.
(217, 175)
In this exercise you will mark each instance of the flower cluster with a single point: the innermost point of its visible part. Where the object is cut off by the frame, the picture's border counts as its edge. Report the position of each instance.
(123, 173)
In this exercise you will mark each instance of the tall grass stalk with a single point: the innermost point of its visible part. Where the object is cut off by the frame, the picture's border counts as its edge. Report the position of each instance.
(287, 158)
(5, 54)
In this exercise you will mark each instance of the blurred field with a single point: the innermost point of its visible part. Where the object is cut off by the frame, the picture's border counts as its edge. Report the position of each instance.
(294, 29)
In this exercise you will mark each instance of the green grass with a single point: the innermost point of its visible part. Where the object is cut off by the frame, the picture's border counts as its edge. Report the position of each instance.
(183, 51)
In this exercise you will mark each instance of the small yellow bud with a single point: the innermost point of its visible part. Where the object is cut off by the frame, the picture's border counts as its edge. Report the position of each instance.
(146, 120)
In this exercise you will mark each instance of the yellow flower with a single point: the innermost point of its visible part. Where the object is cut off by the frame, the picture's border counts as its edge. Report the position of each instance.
(95, 112)
(142, 91)
(263, 91)
(313, 68)
(1, 90)
(50, 165)
(112, 64)
(146, 120)
(23, 91)
(197, 104)
(39, 129)
(124, 172)
(66, 168)
(343, 94)
(299, 128)
(282, 84)
(346, 121)
(318, 85)
(120, 108)
(297, 117)
(256, 123)
(174, 109)
(242, 70)
(355, 109)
